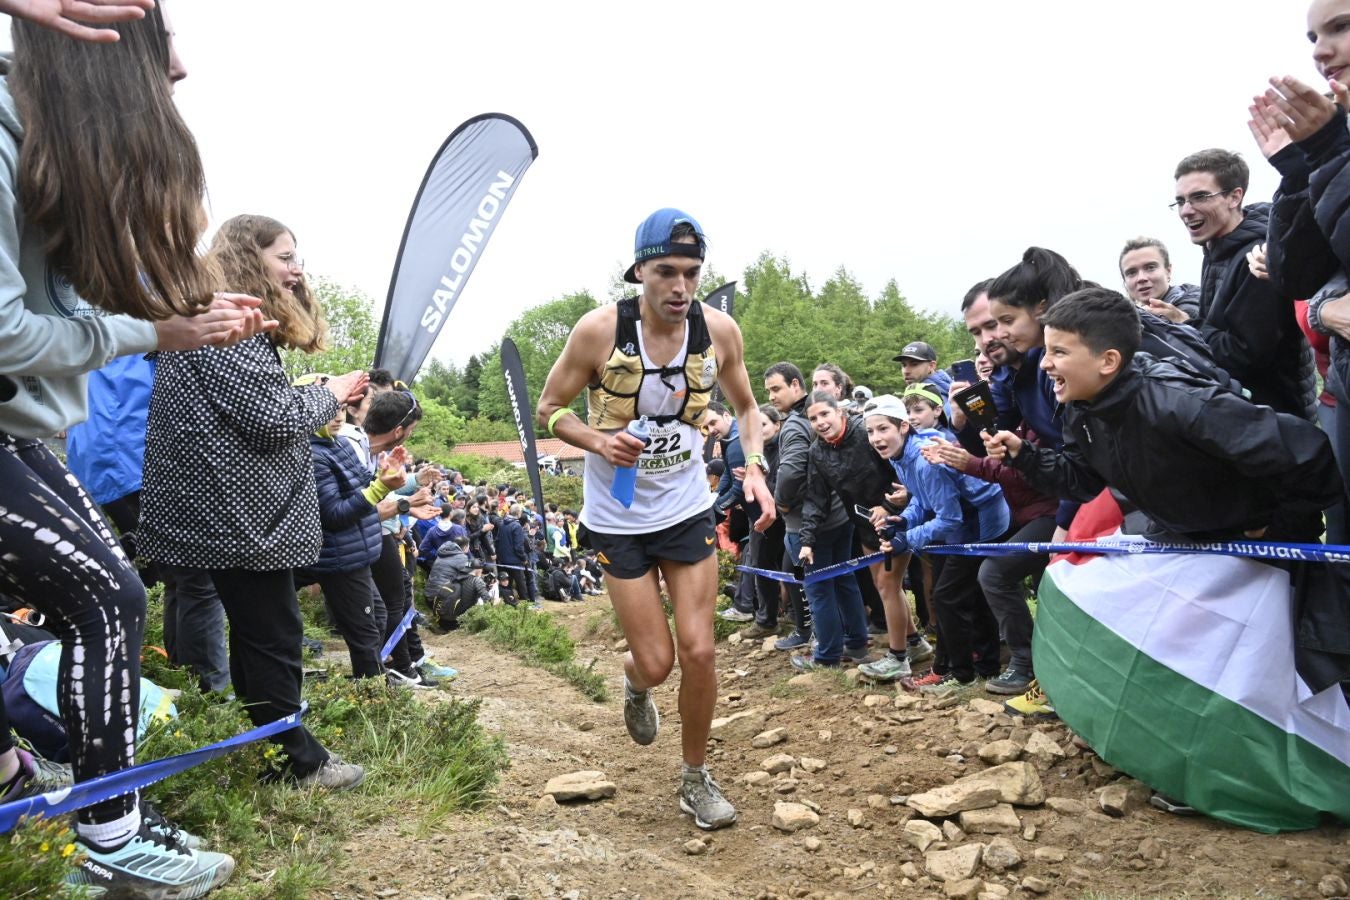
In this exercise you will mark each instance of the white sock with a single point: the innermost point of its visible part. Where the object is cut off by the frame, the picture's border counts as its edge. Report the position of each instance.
(111, 835)
(695, 770)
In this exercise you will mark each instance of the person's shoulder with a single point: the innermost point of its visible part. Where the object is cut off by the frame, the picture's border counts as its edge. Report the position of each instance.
(721, 327)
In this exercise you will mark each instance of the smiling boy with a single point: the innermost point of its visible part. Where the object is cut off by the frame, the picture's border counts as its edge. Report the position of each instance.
(1202, 463)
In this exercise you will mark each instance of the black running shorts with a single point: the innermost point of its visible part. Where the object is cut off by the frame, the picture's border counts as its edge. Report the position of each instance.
(633, 555)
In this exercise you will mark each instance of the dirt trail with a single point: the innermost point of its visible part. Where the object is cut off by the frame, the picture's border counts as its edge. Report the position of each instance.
(633, 845)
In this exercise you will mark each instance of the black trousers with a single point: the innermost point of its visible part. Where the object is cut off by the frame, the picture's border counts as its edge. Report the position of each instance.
(265, 664)
(966, 626)
(359, 614)
(766, 552)
(389, 575)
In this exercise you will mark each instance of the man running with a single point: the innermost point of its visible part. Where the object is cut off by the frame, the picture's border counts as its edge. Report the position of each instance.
(659, 355)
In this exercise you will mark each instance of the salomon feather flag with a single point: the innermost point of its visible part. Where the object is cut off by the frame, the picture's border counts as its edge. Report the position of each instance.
(518, 393)
(722, 299)
(462, 198)
(1179, 670)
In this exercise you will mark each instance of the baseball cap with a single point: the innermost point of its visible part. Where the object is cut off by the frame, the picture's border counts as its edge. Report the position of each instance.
(886, 405)
(924, 390)
(862, 393)
(653, 239)
(917, 350)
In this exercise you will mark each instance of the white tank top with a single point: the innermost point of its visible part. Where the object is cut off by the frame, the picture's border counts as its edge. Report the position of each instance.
(671, 484)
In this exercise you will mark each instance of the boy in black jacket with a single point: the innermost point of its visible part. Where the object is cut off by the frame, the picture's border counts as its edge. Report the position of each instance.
(1202, 463)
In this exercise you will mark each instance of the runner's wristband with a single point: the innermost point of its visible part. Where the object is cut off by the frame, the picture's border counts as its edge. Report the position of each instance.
(558, 414)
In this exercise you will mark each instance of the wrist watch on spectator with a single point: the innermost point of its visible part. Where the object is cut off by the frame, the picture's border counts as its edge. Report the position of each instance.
(403, 506)
(757, 459)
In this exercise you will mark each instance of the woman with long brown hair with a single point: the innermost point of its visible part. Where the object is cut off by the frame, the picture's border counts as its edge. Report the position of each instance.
(99, 222)
(229, 481)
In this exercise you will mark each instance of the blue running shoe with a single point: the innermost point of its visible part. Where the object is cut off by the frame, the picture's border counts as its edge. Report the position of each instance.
(792, 641)
(152, 866)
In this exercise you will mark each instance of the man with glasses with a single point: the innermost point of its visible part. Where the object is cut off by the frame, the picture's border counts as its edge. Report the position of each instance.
(1249, 328)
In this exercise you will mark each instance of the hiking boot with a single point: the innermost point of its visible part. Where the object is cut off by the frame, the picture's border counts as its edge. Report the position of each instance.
(1012, 681)
(732, 614)
(155, 821)
(36, 775)
(640, 715)
(928, 679)
(792, 641)
(1033, 704)
(888, 668)
(150, 865)
(398, 679)
(757, 631)
(702, 798)
(334, 774)
(946, 687)
(920, 652)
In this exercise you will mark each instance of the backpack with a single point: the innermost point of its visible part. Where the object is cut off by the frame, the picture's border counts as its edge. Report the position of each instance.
(445, 601)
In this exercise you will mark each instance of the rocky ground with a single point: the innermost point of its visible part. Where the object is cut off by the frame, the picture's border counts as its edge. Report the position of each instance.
(844, 790)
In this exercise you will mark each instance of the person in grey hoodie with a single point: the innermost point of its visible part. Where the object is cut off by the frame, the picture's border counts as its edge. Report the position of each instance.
(85, 279)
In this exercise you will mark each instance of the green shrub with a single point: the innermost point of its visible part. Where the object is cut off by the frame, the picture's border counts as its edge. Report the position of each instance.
(35, 857)
(538, 641)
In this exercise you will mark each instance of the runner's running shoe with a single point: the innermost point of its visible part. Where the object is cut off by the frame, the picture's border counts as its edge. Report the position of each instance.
(702, 798)
(640, 715)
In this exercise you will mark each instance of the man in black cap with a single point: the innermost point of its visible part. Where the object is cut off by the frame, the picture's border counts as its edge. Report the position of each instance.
(658, 356)
(919, 362)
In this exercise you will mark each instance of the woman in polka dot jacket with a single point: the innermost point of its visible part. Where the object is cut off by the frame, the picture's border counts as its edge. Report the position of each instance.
(229, 483)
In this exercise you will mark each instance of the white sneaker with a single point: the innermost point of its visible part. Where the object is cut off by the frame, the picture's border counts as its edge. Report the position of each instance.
(732, 614)
(888, 668)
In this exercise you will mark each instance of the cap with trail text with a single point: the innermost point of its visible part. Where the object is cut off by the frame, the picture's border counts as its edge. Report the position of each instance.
(653, 239)
(917, 350)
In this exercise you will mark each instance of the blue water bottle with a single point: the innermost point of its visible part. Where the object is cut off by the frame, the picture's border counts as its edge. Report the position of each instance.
(625, 479)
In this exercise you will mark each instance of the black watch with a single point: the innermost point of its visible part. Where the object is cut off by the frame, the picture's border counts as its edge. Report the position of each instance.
(403, 506)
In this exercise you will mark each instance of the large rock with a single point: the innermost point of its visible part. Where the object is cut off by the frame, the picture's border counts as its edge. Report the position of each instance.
(779, 762)
(998, 819)
(1067, 806)
(580, 786)
(957, 864)
(1000, 854)
(1016, 782)
(966, 889)
(769, 738)
(1123, 797)
(996, 753)
(738, 726)
(1042, 750)
(810, 764)
(791, 817)
(922, 834)
(954, 798)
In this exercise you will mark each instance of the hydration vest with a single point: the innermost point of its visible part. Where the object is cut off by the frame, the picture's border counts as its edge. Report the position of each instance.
(611, 401)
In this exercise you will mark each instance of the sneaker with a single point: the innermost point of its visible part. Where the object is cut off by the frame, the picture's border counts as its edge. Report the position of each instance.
(702, 798)
(948, 685)
(792, 641)
(920, 652)
(928, 679)
(1168, 804)
(756, 631)
(888, 668)
(732, 614)
(433, 673)
(640, 715)
(334, 774)
(1012, 681)
(1033, 704)
(398, 679)
(36, 775)
(150, 865)
(806, 663)
(857, 654)
(155, 821)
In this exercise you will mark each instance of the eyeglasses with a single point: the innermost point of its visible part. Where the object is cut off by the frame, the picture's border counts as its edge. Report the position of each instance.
(292, 262)
(404, 421)
(1197, 198)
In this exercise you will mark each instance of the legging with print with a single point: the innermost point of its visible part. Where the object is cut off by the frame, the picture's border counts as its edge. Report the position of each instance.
(59, 556)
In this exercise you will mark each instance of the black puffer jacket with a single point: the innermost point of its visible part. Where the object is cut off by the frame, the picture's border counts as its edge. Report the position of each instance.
(1199, 461)
(794, 451)
(1250, 327)
(846, 473)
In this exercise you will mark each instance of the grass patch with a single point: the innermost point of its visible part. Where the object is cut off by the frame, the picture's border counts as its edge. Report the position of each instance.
(425, 759)
(538, 641)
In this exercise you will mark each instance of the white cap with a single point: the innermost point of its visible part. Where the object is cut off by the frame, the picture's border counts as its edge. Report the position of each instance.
(886, 405)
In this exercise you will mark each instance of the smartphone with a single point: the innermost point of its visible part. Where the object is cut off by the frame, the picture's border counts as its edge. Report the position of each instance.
(964, 370)
(862, 511)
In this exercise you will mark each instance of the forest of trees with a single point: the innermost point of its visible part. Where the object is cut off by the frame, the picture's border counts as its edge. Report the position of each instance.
(781, 315)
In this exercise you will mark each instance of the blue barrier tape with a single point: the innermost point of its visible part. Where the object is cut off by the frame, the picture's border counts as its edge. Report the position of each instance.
(404, 624)
(124, 781)
(1267, 550)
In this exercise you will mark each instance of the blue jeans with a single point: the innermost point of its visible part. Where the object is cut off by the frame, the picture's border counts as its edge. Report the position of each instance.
(837, 612)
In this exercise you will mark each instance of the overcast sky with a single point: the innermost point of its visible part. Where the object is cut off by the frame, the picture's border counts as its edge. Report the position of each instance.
(930, 143)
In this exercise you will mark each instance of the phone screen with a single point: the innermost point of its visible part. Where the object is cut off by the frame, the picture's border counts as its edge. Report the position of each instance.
(862, 511)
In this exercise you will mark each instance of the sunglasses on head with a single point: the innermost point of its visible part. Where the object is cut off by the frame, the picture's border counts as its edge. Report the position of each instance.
(411, 411)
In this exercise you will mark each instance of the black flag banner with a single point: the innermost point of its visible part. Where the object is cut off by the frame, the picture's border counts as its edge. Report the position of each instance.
(466, 189)
(519, 395)
(719, 299)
